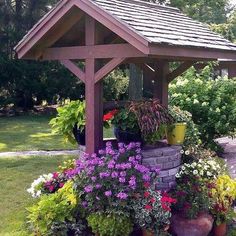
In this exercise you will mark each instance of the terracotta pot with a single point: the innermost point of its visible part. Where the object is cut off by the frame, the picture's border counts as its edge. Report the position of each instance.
(147, 232)
(201, 226)
(220, 230)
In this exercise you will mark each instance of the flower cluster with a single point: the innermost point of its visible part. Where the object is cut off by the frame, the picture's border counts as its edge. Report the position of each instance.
(111, 178)
(202, 168)
(49, 183)
(152, 210)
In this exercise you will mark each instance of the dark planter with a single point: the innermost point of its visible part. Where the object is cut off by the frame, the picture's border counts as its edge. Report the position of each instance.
(79, 135)
(126, 136)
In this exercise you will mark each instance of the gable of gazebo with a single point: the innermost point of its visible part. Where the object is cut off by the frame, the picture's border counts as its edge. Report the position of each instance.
(100, 33)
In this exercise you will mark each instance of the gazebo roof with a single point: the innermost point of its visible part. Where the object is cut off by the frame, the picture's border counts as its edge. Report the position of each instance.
(163, 25)
(151, 28)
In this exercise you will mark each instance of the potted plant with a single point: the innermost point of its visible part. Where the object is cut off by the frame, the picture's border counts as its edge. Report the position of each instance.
(152, 211)
(126, 128)
(223, 194)
(152, 119)
(176, 131)
(70, 122)
(194, 185)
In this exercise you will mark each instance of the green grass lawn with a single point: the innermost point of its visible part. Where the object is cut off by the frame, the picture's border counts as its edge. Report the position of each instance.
(22, 133)
(16, 175)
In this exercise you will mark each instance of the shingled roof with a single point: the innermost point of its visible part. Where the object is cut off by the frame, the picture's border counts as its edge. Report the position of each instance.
(147, 23)
(163, 25)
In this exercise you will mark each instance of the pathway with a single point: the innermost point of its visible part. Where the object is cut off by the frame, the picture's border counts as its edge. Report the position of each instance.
(229, 154)
(41, 153)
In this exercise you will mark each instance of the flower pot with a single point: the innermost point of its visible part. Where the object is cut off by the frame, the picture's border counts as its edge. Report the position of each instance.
(201, 226)
(176, 133)
(126, 136)
(79, 135)
(147, 232)
(220, 230)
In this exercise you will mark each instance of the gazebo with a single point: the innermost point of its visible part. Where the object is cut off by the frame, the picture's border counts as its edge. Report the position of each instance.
(106, 33)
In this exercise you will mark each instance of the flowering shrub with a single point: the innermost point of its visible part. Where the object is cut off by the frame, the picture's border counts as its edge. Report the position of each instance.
(194, 184)
(109, 180)
(212, 102)
(152, 210)
(49, 183)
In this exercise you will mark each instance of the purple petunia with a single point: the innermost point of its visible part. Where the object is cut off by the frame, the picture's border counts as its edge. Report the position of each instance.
(108, 193)
(122, 173)
(122, 180)
(97, 186)
(122, 195)
(93, 178)
(114, 174)
(88, 189)
(104, 175)
(146, 177)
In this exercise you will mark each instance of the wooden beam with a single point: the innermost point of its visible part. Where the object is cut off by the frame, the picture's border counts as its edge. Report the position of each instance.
(190, 52)
(74, 69)
(105, 70)
(180, 70)
(92, 51)
(161, 84)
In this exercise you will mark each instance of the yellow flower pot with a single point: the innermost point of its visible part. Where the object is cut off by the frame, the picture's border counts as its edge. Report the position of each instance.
(176, 133)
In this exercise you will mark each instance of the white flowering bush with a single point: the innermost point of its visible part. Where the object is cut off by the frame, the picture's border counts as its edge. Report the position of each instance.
(212, 102)
(202, 169)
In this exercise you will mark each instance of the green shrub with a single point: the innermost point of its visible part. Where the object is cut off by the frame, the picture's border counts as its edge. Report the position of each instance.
(68, 116)
(212, 102)
(110, 224)
(58, 207)
(116, 85)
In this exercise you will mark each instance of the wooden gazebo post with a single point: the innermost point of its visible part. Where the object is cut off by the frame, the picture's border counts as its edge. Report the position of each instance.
(93, 94)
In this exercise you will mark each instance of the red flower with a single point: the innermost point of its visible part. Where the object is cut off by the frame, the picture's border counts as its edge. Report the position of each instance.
(55, 175)
(109, 115)
(148, 207)
(146, 185)
(51, 188)
(146, 194)
(152, 200)
(61, 185)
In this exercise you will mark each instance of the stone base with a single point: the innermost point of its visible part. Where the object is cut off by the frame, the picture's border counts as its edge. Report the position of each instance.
(168, 159)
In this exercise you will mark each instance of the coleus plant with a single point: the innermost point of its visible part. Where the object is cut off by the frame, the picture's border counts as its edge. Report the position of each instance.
(151, 116)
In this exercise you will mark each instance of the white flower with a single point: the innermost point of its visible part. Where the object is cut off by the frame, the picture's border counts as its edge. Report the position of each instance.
(209, 173)
(195, 101)
(183, 167)
(195, 172)
(182, 151)
(187, 152)
(201, 172)
(193, 164)
(177, 175)
(204, 104)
